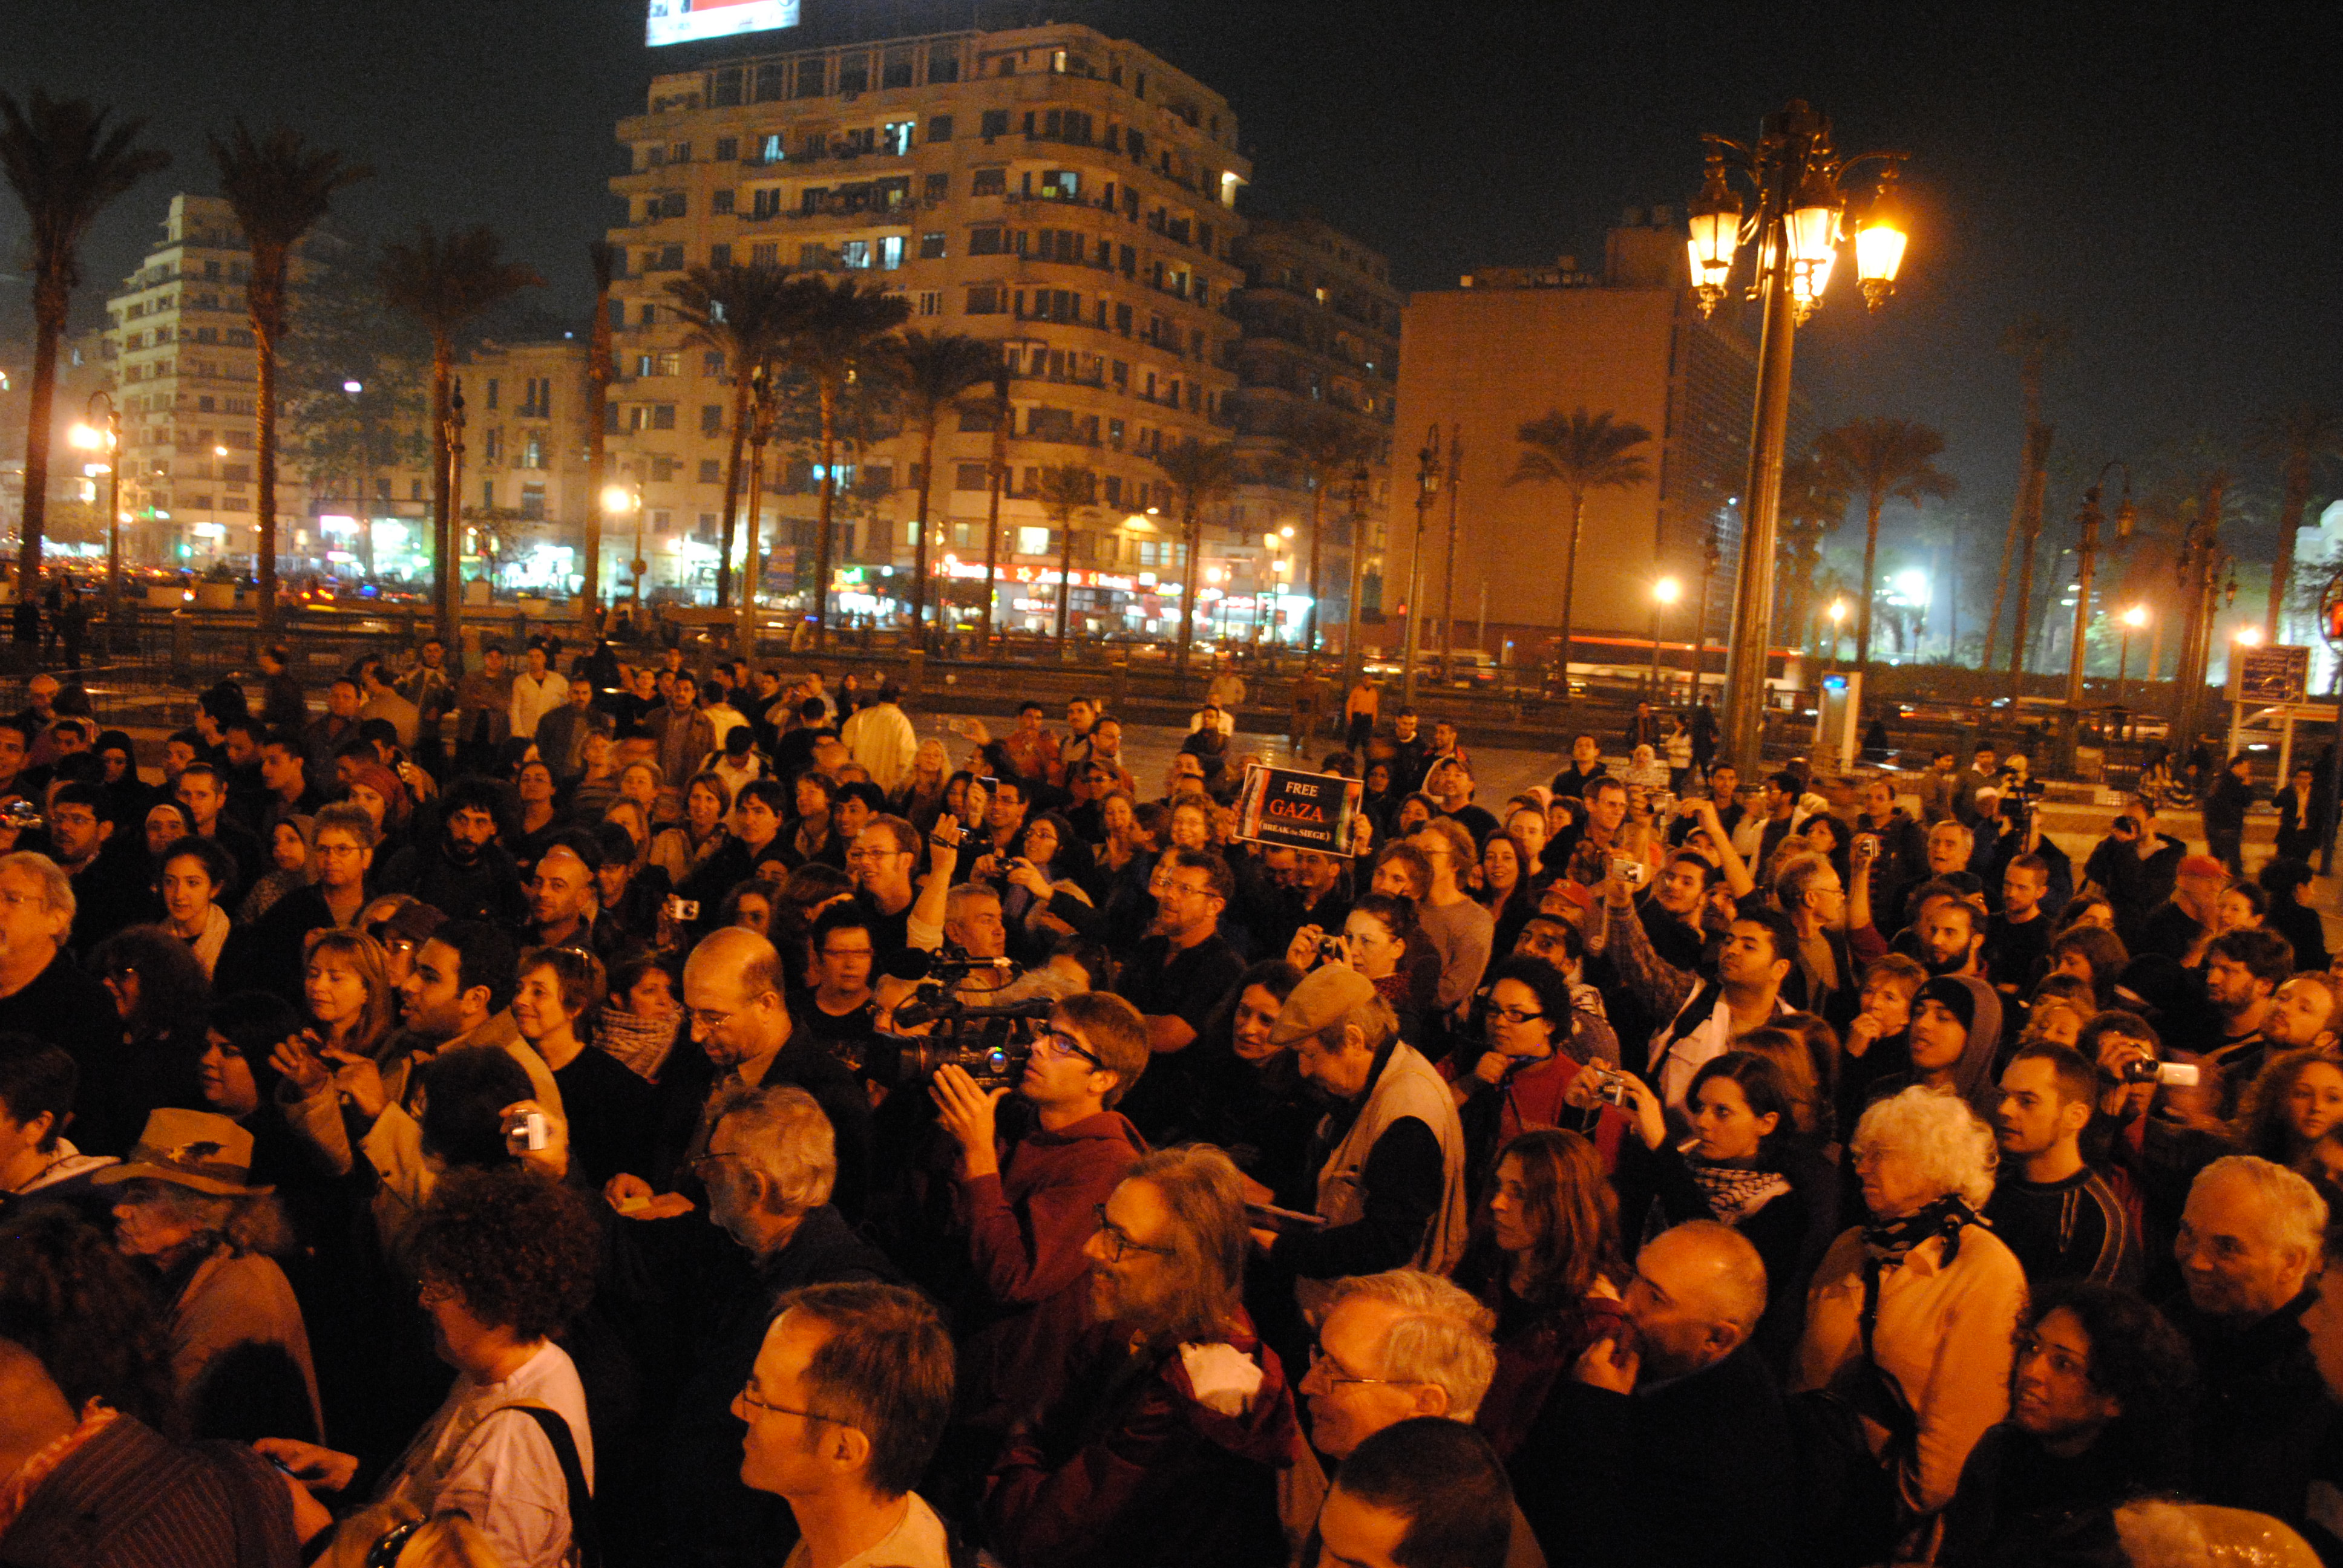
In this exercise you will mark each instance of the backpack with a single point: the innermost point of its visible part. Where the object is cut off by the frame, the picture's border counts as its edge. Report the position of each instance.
(378, 1536)
(1851, 1500)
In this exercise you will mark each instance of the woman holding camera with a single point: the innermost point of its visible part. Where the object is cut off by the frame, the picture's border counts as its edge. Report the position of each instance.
(1379, 939)
(1515, 1072)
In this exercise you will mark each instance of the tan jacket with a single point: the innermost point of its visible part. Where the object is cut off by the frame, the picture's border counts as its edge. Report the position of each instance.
(1407, 1086)
(1943, 1334)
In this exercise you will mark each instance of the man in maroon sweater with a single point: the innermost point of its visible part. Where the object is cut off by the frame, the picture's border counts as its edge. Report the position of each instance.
(1027, 1226)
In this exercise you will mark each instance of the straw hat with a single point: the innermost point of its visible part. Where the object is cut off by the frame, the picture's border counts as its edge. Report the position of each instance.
(196, 1149)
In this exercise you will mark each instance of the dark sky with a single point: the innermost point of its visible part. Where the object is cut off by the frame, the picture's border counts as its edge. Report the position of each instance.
(2164, 180)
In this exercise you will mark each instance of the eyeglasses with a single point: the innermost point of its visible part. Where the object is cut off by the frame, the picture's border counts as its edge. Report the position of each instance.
(1331, 1372)
(1118, 1243)
(1059, 1042)
(1513, 1015)
(875, 854)
(749, 1398)
(709, 1021)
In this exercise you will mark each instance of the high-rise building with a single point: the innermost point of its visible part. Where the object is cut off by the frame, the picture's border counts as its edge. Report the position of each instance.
(1069, 195)
(1512, 345)
(186, 374)
(1321, 346)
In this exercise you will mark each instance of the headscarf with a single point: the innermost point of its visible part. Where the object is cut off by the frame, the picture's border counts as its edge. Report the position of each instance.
(1978, 1007)
(396, 803)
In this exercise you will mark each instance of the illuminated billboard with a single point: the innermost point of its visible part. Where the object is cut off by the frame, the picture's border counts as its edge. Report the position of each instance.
(688, 21)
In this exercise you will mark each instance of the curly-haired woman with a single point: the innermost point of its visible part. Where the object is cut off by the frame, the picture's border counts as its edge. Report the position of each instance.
(507, 1259)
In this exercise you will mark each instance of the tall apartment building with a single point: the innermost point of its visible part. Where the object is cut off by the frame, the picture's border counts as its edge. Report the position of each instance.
(1322, 322)
(1512, 345)
(1069, 195)
(185, 375)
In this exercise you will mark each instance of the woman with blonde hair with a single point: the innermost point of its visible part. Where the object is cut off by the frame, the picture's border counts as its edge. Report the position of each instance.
(919, 799)
(1912, 1314)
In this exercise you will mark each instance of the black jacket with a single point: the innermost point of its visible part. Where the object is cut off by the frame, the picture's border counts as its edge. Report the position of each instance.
(2260, 1408)
(1699, 1471)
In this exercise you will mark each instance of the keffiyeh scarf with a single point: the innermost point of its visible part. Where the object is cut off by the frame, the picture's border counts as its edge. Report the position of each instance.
(1734, 1192)
(1886, 1244)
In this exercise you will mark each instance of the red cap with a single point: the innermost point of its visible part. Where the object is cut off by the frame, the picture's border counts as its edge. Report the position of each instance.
(2203, 865)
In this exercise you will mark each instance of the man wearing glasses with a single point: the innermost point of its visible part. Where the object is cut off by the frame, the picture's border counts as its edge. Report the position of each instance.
(882, 859)
(848, 1401)
(1028, 1223)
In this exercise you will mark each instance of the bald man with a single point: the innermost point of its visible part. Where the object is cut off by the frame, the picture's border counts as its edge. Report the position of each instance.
(1669, 1443)
(732, 996)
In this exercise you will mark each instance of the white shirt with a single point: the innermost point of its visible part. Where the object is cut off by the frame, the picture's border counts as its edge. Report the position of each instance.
(881, 738)
(503, 1472)
(533, 698)
(919, 1542)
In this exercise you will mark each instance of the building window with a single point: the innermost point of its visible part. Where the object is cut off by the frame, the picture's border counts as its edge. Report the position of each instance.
(765, 204)
(532, 503)
(765, 254)
(890, 252)
(492, 391)
(643, 363)
(532, 453)
(932, 302)
(727, 148)
(854, 73)
(488, 495)
(769, 149)
(720, 202)
(810, 78)
(895, 69)
(985, 240)
(712, 471)
(719, 255)
(663, 417)
(931, 247)
(670, 258)
(940, 129)
(943, 64)
(711, 418)
(854, 255)
(895, 137)
(937, 188)
(711, 363)
(671, 363)
(994, 124)
(987, 182)
(984, 299)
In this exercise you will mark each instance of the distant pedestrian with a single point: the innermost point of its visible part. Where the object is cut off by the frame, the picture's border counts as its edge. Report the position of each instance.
(1360, 712)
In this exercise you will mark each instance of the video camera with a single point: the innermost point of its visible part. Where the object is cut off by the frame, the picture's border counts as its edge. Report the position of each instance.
(990, 1044)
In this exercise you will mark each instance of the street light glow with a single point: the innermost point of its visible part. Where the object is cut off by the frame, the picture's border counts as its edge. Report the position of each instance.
(353, 388)
(87, 439)
(1837, 611)
(2249, 636)
(1913, 584)
(2136, 616)
(1667, 590)
(618, 499)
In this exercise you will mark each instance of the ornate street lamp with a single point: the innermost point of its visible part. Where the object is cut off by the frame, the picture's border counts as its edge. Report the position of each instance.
(618, 501)
(1798, 222)
(1353, 661)
(1427, 484)
(2133, 619)
(1665, 592)
(102, 431)
(2090, 518)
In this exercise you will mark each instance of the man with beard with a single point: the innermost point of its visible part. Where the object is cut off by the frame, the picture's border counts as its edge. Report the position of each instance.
(2053, 1211)
(1669, 1443)
(1705, 1018)
(565, 900)
(1184, 967)
(2243, 971)
(1173, 1428)
(1903, 844)
(464, 873)
(1951, 938)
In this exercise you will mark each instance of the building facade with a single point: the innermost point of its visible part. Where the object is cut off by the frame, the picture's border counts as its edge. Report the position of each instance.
(1068, 195)
(1510, 345)
(1320, 350)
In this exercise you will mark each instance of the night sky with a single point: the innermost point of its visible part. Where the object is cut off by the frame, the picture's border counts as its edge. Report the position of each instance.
(2162, 179)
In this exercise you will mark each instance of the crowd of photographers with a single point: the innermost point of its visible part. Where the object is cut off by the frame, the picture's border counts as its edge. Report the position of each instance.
(533, 1116)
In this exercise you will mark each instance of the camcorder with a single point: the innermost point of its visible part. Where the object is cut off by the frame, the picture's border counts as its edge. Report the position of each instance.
(990, 1044)
(2171, 1074)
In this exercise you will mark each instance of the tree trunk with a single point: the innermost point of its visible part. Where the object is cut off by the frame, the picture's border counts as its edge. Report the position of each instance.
(265, 301)
(750, 565)
(1317, 532)
(732, 485)
(1568, 585)
(50, 301)
(1190, 530)
(1065, 578)
(2029, 518)
(597, 449)
(2291, 506)
(1002, 415)
(920, 550)
(829, 489)
(1873, 504)
(449, 567)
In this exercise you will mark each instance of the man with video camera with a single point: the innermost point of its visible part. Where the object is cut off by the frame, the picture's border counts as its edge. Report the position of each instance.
(1029, 1214)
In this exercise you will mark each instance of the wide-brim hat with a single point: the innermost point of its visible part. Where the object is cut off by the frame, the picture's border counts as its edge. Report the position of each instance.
(194, 1149)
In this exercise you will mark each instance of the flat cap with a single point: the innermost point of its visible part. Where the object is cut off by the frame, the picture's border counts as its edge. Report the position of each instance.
(1324, 995)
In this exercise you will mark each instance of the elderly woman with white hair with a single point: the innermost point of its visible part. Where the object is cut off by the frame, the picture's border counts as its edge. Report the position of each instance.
(1912, 1316)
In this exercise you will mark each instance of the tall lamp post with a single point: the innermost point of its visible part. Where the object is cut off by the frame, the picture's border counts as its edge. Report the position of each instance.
(1427, 484)
(1712, 554)
(1448, 594)
(1665, 592)
(1838, 619)
(618, 501)
(2087, 553)
(102, 431)
(2133, 619)
(1354, 662)
(1792, 235)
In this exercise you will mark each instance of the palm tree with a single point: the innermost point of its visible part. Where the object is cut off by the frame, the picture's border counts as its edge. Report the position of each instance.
(1327, 446)
(834, 338)
(603, 258)
(932, 373)
(1202, 473)
(445, 281)
(1066, 490)
(745, 313)
(279, 187)
(1881, 460)
(2302, 438)
(1581, 452)
(66, 165)
(1813, 504)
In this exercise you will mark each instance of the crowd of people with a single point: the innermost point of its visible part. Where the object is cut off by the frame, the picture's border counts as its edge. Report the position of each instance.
(530, 1115)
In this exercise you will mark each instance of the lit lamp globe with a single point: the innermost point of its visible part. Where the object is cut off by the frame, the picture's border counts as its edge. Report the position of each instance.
(1879, 241)
(618, 499)
(2136, 616)
(1667, 590)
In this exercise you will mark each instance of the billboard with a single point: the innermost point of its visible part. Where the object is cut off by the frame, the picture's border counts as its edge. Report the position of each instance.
(688, 21)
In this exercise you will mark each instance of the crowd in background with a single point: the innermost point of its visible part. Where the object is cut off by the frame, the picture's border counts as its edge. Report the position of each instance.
(531, 1111)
